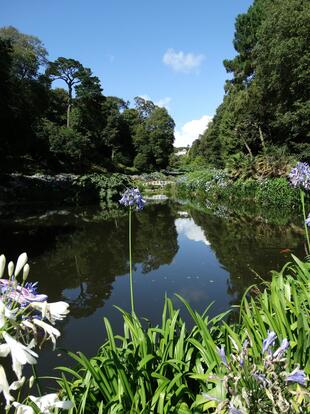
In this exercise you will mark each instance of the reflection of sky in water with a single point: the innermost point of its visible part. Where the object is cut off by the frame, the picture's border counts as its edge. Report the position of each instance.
(193, 232)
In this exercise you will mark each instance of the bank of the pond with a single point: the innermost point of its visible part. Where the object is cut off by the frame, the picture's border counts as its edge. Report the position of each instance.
(216, 186)
(63, 188)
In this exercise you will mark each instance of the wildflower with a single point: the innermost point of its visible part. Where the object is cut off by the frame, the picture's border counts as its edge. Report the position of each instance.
(222, 355)
(52, 311)
(307, 221)
(297, 376)
(300, 175)
(269, 341)
(20, 354)
(48, 402)
(283, 347)
(132, 197)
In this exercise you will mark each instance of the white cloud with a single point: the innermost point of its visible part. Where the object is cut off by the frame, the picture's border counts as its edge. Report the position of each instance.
(162, 103)
(191, 131)
(189, 228)
(182, 62)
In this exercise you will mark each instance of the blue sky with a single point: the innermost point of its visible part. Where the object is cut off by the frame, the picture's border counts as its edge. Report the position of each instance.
(170, 51)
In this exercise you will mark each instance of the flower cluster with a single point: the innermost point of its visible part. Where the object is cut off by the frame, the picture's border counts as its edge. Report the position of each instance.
(259, 386)
(26, 320)
(132, 198)
(300, 176)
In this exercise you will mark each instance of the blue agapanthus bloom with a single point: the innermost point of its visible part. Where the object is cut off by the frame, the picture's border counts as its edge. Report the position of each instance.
(283, 347)
(307, 221)
(269, 341)
(297, 376)
(300, 175)
(132, 198)
(222, 355)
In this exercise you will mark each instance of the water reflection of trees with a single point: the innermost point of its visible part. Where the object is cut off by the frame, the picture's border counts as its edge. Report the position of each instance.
(81, 263)
(248, 247)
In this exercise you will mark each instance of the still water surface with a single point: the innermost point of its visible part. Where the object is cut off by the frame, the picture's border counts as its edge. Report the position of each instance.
(80, 255)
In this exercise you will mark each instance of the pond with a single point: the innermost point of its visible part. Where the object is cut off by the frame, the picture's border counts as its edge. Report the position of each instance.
(80, 255)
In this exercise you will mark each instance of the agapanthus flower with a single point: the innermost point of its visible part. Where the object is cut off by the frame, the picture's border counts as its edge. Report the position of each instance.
(283, 347)
(20, 354)
(300, 176)
(22, 295)
(52, 311)
(234, 410)
(47, 403)
(4, 386)
(222, 355)
(269, 341)
(307, 221)
(297, 376)
(132, 198)
(23, 408)
(49, 330)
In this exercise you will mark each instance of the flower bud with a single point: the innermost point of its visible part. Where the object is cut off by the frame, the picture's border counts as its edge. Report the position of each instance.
(21, 261)
(10, 268)
(26, 271)
(31, 381)
(2, 264)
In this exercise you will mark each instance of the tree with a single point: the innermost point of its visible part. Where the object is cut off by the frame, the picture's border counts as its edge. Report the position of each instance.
(153, 136)
(266, 103)
(28, 53)
(71, 72)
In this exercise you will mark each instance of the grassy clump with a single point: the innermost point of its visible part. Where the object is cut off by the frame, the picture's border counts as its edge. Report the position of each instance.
(170, 369)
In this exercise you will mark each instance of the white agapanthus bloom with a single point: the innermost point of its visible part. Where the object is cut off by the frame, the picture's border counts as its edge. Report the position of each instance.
(19, 303)
(52, 311)
(4, 386)
(16, 385)
(49, 402)
(49, 330)
(6, 313)
(20, 354)
(22, 408)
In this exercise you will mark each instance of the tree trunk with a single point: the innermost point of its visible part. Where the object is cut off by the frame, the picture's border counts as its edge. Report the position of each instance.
(69, 105)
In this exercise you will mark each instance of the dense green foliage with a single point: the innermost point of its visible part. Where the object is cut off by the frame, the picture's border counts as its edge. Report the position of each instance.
(77, 129)
(170, 369)
(266, 108)
(216, 185)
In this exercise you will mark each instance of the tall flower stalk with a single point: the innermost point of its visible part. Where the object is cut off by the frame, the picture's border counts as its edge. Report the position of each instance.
(131, 198)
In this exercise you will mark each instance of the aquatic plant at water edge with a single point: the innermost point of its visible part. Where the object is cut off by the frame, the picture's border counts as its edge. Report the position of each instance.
(131, 198)
(26, 320)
